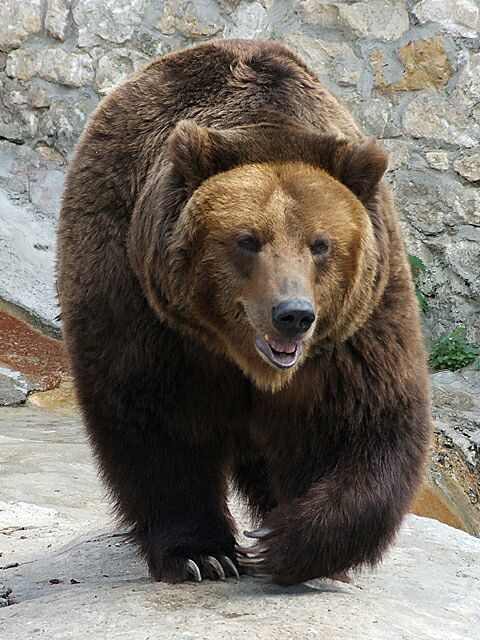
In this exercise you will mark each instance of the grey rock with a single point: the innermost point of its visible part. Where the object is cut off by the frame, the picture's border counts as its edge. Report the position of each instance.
(460, 17)
(107, 21)
(456, 410)
(30, 191)
(436, 204)
(28, 276)
(56, 65)
(30, 178)
(65, 120)
(467, 88)
(32, 96)
(51, 155)
(38, 97)
(6, 597)
(456, 389)
(440, 220)
(19, 20)
(321, 13)
(330, 60)
(249, 20)
(467, 164)
(382, 19)
(17, 97)
(398, 153)
(14, 387)
(374, 115)
(115, 66)
(433, 115)
(17, 126)
(193, 18)
(438, 160)
(56, 18)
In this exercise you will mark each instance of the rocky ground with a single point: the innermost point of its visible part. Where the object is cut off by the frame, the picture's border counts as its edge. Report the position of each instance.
(66, 570)
(455, 462)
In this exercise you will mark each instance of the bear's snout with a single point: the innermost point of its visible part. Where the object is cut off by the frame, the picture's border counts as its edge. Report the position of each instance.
(292, 318)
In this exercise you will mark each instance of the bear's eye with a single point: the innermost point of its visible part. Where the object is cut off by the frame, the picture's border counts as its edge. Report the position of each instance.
(249, 242)
(320, 247)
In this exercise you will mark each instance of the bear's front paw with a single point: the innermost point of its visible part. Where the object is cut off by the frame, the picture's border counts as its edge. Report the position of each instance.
(286, 556)
(198, 567)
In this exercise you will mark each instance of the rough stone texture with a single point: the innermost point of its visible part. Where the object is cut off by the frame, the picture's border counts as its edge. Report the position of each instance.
(56, 18)
(446, 216)
(438, 160)
(461, 17)
(27, 254)
(115, 66)
(55, 65)
(249, 20)
(329, 60)
(107, 20)
(467, 89)
(382, 19)
(30, 191)
(434, 116)
(409, 71)
(14, 387)
(455, 467)
(19, 20)
(468, 165)
(77, 577)
(195, 19)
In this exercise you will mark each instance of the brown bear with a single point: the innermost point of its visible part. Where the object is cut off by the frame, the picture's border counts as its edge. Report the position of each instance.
(238, 307)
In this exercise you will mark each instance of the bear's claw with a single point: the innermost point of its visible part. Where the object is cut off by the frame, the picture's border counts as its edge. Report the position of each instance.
(193, 568)
(259, 533)
(252, 559)
(223, 568)
(215, 564)
(231, 566)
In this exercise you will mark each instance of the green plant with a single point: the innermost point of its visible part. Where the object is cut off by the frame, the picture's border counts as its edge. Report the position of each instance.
(418, 267)
(452, 351)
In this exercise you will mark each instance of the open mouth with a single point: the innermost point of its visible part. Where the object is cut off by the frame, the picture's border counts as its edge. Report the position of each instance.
(282, 354)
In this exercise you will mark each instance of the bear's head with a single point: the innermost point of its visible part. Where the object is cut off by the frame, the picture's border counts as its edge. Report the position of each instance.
(262, 241)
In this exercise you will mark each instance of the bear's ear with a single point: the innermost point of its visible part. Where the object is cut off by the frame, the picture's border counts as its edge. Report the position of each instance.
(188, 147)
(198, 153)
(359, 167)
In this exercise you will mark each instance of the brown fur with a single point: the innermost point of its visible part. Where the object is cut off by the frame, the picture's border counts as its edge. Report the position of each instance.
(160, 309)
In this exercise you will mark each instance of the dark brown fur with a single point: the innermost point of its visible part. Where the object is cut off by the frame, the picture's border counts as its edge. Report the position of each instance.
(174, 396)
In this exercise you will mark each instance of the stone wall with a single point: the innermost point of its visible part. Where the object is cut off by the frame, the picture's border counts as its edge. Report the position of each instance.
(409, 70)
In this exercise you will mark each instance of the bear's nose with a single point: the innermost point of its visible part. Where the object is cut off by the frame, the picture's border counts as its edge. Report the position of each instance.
(293, 317)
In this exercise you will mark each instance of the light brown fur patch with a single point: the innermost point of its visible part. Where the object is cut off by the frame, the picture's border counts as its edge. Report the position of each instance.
(288, 206)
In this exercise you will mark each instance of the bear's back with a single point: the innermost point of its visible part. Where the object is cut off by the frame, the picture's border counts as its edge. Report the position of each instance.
(219, 84)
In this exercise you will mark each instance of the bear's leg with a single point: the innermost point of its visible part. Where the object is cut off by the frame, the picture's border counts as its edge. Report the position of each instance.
(170, 491)
(347, 516)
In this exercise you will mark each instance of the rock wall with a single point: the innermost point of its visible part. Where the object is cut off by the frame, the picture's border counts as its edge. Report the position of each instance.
(409, 70)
